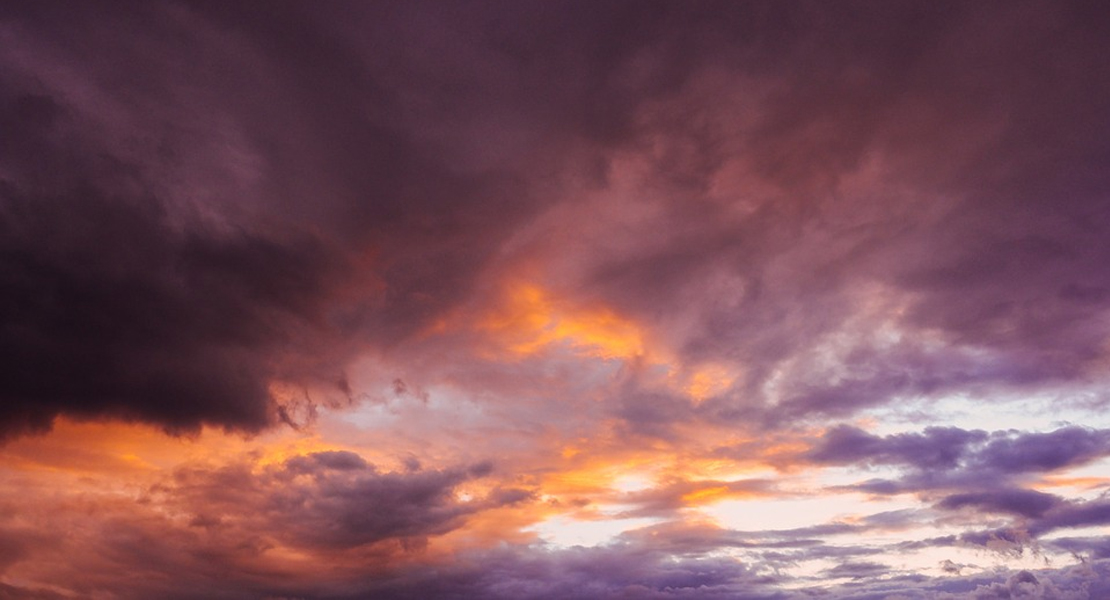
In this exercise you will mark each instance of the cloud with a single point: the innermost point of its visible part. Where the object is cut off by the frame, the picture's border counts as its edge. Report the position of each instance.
(976, 471)
(674, 495)
(114, 314)
(1064, 447)
(1038, 517)
(12, 592)
(731, 224)
(951, 456)
(1074, 514)
(247, 528)
(322, 183)
(934, 448)
(325, 500)
(857, 570)
(1022, 584)
(180, 235)
(1026, 503)
(1094, 547)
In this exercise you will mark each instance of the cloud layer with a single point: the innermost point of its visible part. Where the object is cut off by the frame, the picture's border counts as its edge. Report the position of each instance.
(554, 300)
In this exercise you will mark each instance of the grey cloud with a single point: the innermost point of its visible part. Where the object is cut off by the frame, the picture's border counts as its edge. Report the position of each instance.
(1093, 547)
(1045, 451)
(198, 199)
(1074, 514)
(1025, 503)
(940, 455)
(857, 570)
(934, 448)
(1022, 584)
(987, 270)
(328, 500)
(370, 164)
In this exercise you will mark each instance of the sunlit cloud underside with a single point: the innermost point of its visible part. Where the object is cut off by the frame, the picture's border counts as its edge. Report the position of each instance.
(554, 300)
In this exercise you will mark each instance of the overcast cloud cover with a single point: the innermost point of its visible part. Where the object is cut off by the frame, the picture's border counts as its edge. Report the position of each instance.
(747, 300)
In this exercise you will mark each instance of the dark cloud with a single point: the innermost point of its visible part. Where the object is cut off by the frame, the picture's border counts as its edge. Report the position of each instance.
(327, 500)
(245, 530)
(196, 203)
(318, 179)
(977, 471)
(126, 295)
(12, 549)
(237, 551)
(235, 566)
(1022, 584)
(1026, 503)
(1092, 547)
(947, 454)
(1043, 452)
(949, 220)
(324, 461)
(1025, 535)
(778, 550)
(857, 570)
(633, 568)
(110, 312)
(209, 212)
(934, 448)
(629, 571)
(1074, 514)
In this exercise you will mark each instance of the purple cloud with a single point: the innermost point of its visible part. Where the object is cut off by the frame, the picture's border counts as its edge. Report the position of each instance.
(934, 448)
(952, 454)
(1025, 503)
(219, 216)
(327, 500)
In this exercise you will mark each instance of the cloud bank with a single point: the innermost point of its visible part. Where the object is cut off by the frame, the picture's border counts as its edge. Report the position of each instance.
(554, 300)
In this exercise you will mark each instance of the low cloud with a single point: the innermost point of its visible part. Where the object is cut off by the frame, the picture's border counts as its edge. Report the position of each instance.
(940, 457)
(326, 500)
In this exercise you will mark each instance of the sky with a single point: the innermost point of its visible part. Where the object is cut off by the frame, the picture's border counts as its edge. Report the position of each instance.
(554, 300)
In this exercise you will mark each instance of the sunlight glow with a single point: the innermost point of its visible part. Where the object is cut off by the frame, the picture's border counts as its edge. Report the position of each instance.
(531, 319)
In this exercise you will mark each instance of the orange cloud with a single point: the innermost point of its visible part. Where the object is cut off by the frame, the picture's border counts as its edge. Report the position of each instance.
(530, 319)
(705, 495)
(1084, 483)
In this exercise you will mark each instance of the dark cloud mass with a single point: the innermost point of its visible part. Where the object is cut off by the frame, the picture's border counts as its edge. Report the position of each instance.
(554, 299)
(328, 499)
(976, 469)
(179, 232)
(941, 449)
(301, 183)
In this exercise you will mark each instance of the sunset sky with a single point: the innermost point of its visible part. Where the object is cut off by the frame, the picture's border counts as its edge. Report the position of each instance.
(553, 300)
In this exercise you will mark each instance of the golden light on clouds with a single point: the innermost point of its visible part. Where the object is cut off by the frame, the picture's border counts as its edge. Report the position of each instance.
(531, 300)
(531, 319)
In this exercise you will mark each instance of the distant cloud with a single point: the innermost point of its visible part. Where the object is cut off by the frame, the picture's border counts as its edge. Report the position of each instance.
(956, 456)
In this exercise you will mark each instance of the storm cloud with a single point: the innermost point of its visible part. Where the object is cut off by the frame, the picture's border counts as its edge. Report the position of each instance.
(554, 299)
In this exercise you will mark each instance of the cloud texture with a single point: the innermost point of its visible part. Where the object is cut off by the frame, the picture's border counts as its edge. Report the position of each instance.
(554, 300)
